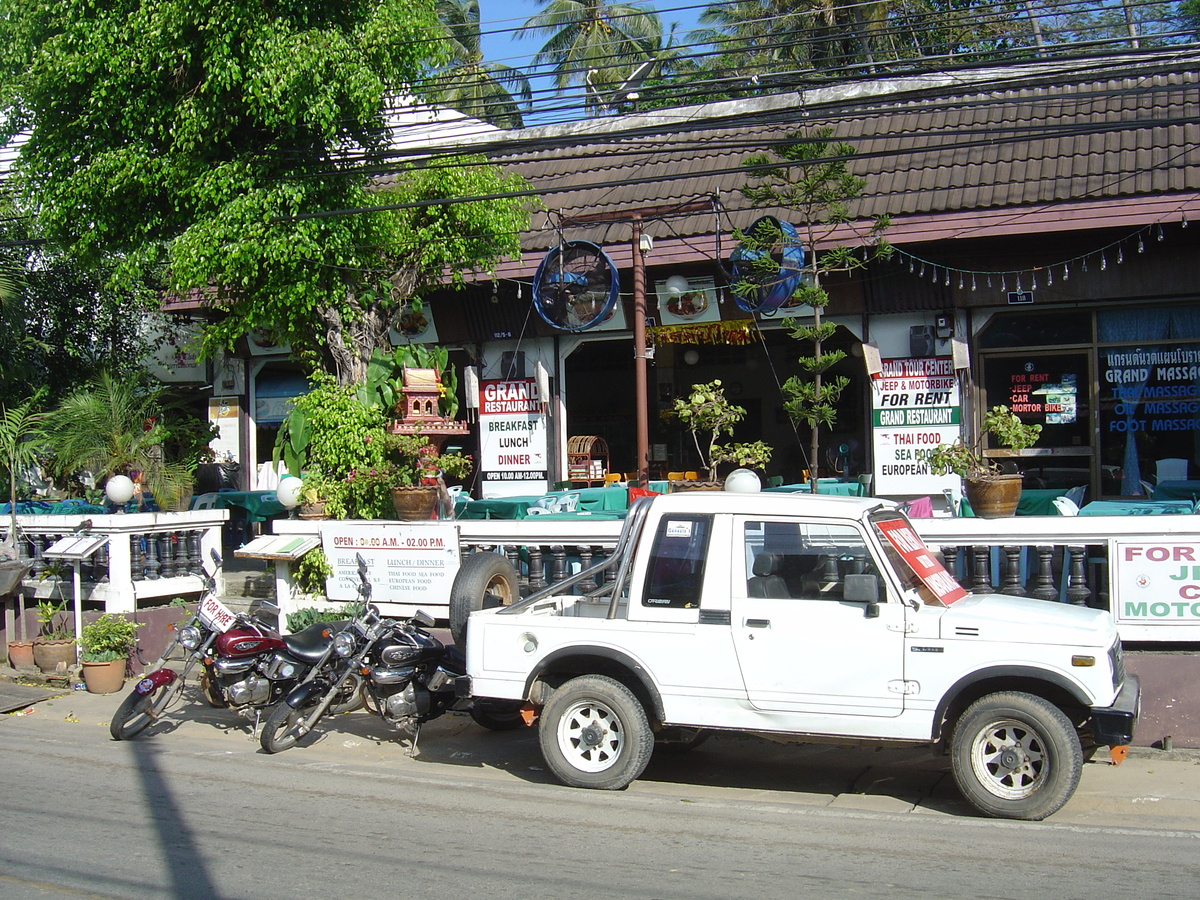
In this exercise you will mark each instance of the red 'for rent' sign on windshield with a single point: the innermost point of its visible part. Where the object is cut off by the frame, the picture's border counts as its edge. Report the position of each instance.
(923, 563)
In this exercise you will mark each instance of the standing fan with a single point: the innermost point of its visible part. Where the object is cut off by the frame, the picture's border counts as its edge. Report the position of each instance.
(576, 286)
(768, 290)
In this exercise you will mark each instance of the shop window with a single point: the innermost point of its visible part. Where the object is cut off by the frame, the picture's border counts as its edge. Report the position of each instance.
(1035, 330)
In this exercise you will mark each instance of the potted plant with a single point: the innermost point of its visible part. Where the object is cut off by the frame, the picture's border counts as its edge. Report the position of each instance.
(991, 493)
(105, 646)
(315, 491)
(55, 644)
(707, 411)
(418, 476)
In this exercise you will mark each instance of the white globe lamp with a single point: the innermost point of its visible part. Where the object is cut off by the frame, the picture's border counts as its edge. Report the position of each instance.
(119, 490)
(743, 481)
(677, 285)
(287, 491)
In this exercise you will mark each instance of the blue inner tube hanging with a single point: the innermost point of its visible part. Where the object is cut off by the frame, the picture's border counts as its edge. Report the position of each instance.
(772, 290)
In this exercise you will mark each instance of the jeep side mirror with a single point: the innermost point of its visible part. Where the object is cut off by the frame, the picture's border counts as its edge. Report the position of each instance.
(861, 589)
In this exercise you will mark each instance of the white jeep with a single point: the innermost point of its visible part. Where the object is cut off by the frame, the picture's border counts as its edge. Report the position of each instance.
(815, 618)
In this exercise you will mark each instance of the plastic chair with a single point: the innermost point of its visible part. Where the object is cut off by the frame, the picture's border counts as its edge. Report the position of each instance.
(1171, 469)
(1065, 506)
(691, 476)
(203, 501)
(612, 478)
(676, 476)
(774, 481)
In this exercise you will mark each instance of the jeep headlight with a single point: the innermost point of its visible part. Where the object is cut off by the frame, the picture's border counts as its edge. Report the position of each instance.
(190, 637)
(344, 643)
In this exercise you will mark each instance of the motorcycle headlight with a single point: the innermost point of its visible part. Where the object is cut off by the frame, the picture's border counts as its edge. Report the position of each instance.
(190, 637)
(344, 643)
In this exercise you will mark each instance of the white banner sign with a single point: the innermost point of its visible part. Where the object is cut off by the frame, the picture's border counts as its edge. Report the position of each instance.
(512, 439)
(409, 564)
(1157, 582)
(915, 407)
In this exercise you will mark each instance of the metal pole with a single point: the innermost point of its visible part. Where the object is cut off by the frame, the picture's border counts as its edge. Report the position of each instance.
(639, 354)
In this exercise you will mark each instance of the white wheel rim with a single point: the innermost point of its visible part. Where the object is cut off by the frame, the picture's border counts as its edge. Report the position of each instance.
(590, 736)
(1009, 759)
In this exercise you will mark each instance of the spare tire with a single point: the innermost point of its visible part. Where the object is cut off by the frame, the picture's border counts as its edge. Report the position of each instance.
(484, 580)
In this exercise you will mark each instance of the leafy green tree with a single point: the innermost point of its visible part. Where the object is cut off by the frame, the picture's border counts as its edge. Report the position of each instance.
(205, 146)
(594, 43)
(492, 92)
(809, 175)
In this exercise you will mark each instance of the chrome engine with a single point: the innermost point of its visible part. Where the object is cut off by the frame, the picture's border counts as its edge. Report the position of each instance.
(253, 690)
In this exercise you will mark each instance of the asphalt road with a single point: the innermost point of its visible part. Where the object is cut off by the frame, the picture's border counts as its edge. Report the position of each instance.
(196, 810)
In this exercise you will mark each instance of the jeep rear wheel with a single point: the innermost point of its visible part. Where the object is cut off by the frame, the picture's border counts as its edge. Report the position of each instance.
(1015, 756)
(594, 734)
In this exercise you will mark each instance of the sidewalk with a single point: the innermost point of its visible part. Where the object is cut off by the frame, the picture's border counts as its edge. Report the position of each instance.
(1152, 789)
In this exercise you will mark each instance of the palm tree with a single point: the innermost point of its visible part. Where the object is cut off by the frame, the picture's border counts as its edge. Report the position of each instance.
(116, 426)
(597, 44)
(490, 92)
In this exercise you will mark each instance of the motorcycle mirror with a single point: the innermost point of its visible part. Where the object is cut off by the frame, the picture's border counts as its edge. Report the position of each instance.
(216, 557)
(423, 618)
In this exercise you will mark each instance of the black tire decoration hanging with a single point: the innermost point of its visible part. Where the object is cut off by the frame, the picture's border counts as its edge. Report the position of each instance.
(576, 286)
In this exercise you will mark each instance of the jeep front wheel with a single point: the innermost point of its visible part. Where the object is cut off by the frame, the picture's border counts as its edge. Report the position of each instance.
(594, 734)
(1015, 756)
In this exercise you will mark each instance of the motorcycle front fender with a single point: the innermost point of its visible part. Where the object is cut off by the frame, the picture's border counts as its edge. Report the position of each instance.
(155, 679)
(305, 694)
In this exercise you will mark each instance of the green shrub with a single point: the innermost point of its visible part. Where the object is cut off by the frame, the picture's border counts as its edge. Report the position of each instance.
(310, 615)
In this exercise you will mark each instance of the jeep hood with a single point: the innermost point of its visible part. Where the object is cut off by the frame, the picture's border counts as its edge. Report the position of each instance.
(1023, 620)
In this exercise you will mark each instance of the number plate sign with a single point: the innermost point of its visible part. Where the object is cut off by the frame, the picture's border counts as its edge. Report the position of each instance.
(216, 615)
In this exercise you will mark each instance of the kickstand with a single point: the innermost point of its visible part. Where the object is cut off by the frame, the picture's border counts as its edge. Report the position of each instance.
(257, 722)
(416, 733)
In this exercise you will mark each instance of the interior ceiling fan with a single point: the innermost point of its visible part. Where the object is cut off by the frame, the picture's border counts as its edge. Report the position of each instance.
(576, 286)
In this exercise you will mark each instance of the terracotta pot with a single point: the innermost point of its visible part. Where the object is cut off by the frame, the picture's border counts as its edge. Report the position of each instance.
(414, 503)
(994, 497)
(677, 486)
(48, 654)
(104, 677)
(20, 654)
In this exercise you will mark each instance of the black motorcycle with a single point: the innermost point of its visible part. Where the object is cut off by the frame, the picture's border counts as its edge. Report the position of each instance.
(403, 673)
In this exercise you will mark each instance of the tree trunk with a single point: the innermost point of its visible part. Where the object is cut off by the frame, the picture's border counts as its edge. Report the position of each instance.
(351, 340)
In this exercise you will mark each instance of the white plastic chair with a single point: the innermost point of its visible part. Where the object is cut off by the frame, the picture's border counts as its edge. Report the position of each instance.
(1171, 469)
(1066, 506)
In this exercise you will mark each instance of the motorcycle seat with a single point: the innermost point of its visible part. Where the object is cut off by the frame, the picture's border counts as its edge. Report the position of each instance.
(311, 643)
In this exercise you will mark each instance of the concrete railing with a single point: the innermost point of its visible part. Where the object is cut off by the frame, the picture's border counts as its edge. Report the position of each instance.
(147, 555)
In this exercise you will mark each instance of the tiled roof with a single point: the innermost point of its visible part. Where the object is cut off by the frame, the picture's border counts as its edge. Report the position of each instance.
(927, 150)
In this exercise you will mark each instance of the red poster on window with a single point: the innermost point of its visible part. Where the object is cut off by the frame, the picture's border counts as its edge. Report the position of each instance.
(923, 563)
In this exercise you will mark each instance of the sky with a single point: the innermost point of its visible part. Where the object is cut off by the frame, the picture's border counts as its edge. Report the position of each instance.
(498, 18)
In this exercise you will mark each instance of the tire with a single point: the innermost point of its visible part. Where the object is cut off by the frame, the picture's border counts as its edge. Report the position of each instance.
(498, 715)
(211, 689)
(278, 733)
(484, 580)
(1015, 756)
(138, 711)
(348, 700)
(594, 734)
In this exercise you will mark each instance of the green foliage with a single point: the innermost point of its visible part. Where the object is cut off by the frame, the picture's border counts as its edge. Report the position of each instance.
(22, 442)
(1009, 430)
(310, 615)
(118, 426)
(350, 459)
(309, 573)
(706, 411)
(109, 637)
(233, 130)
(50, 626)
(809, 175)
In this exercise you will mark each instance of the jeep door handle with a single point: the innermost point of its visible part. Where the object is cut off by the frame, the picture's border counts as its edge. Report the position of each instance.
(758, 623)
